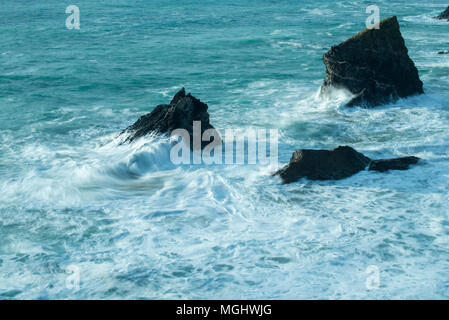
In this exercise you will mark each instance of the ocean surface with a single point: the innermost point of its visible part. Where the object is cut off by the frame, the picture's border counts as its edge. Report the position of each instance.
(75, 204)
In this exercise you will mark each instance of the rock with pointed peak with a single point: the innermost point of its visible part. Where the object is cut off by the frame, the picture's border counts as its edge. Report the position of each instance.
(182, 111)
(444, 15)
(374, 65)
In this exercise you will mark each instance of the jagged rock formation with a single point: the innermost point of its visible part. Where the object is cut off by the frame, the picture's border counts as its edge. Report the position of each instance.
(179, 114)
(444, 15)
(336, 164)
(373, 65)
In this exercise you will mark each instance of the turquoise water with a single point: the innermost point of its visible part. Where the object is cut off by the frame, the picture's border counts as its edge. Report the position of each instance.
(136, 226)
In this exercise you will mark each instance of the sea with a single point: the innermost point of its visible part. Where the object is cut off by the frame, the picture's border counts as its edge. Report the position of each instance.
(83, 216)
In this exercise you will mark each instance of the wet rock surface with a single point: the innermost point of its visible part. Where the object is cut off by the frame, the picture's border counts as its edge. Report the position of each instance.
(374, 65)
(383, 165)
(444, 15)
(182, 111)
(336, 164)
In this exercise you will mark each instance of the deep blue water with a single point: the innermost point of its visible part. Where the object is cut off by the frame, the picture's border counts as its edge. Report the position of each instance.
(135, 226)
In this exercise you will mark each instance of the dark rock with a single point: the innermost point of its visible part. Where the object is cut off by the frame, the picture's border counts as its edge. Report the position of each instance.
(444, 15)
(179, 114)
(335, 164)
(443, 52)
(392, 164)
(374, 65)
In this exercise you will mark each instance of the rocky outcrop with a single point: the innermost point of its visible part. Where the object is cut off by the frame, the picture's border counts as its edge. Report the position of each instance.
(182, 111)
(444, 15)
(336, 164)
(373, 65)
(393, 164)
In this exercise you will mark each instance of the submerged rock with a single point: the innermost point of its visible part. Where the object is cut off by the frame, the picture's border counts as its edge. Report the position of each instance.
(444, 15)
(336, 164)
(373, 65)
(182, 111)
(392, 164)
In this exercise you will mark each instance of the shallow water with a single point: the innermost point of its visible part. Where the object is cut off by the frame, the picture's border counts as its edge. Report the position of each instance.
(136, 226)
